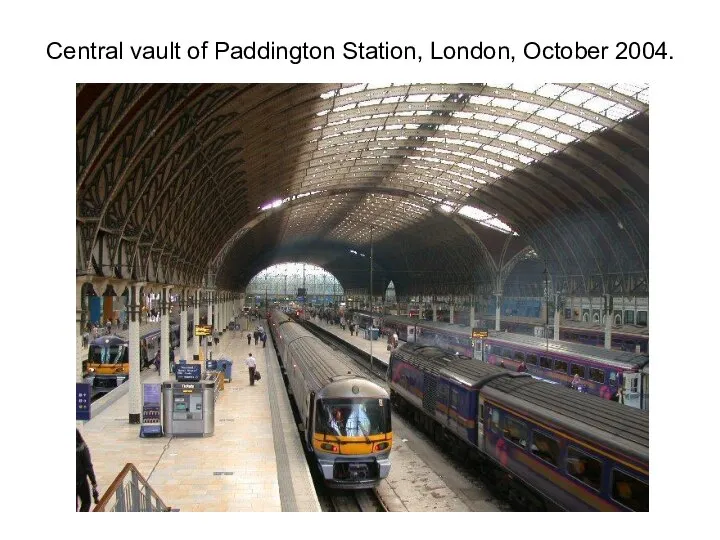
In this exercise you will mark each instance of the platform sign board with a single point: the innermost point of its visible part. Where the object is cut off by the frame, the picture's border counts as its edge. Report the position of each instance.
(82, 401)
(479, 333)
(188, 372)
(203, 329)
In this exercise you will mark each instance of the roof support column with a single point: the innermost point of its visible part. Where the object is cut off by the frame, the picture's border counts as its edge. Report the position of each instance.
(79, 353)
(608, 321)
(210, 309)
(452, 313)
(472, 315)
(134, 341)
(165, 344)
(556, 320)
(196, 321)
(183, 324)
(434, 310)
(498, 302)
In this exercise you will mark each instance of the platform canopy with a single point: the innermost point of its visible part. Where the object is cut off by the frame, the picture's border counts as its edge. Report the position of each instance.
(454, 185)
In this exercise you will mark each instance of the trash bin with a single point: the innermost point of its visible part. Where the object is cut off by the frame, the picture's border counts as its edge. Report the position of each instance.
(224, 365)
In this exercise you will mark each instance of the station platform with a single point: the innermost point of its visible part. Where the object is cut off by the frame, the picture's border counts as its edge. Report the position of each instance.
(254, 461)
(379, 346)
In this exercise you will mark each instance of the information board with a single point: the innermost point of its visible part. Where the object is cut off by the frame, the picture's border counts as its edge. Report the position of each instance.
(151, 403)
(82, 401)
(203, 329)
(188, 372)
(478, 333)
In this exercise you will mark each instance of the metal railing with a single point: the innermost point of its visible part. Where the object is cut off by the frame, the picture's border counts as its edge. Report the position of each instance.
(130, 492)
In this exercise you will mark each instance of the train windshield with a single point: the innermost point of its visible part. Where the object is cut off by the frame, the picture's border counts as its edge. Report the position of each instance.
(114, 354)
(353, 417)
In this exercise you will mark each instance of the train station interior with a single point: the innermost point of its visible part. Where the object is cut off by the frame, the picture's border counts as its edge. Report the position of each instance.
(210, 214)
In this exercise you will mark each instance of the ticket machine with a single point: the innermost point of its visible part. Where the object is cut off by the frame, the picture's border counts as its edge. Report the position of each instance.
(189, 408)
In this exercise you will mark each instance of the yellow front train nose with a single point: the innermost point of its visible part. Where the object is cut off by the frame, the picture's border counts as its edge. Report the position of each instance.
(352, 446)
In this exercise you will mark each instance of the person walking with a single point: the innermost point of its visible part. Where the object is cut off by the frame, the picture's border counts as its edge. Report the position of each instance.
(249, 336)
(256, 335)
(263, 338)
(251, 364)
(83, 471)
(216, 336)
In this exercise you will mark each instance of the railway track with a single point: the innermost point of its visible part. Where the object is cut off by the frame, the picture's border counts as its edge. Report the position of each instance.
(364, 500)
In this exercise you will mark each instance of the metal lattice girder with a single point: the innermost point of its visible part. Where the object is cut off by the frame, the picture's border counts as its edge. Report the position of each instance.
(172, 178)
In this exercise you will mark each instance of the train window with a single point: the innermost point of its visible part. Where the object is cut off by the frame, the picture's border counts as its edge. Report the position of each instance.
(630, 491)
(583, 467)
(531, 359)
(642, 318)
(576, 369)
(568, 314)
(545, 362)
(495, 421)
(597, 375)
(613, 378)
(453, 398)
(546, 448)
(507, 353)
(629, 317)
(520, 357)
(561, 366)
(515, 432)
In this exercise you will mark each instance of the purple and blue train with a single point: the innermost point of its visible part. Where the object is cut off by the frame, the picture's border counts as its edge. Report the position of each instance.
(544, 446)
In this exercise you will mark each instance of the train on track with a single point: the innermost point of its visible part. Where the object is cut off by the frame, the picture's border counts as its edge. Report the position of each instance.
(346, 419)
(544, 446)
(108, 360)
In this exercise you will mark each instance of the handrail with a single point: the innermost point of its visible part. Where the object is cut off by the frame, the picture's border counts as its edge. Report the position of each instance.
(130, 492)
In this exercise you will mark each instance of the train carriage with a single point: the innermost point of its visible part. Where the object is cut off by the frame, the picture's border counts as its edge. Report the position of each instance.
(601, 372)
(452, 337)
(346, 418)
(563, 447)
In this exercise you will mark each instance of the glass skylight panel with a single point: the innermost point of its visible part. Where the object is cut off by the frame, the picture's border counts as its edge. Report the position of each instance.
(328, 94)
(629, 89)
(525, 159)
(417, 98)
(506, 121)
(405, 113)
(588, 126)
(618, 112)
(376, 86)
(322, 113)
(509, 138)
(486, 117)
(550, 90)
(499, 224)
(544, 149)
(576, 97)
(462, 114)
(528, 126)
(549, 113)
(524, 106)
(564, 138)
(352, 89)
(598, 104)
(469, 129)
(530, 88)
(392, 99)
(504, 103)
(546, 132)
(481, 100)
(447, 127)
(439, 97)
(446, 208)
(570, 119)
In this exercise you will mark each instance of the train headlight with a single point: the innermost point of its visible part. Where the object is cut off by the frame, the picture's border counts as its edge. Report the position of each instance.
(379, 447)
(334, 448)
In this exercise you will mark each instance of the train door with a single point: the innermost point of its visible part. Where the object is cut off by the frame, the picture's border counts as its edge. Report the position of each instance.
(480, 420)
(631, 388)
(453, 405)
(411, 334)
(310, 422)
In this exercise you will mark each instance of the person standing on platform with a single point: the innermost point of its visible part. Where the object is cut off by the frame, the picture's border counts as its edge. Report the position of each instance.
(256, 335)
(216, 336)
(395, 340)
(108, 327)
(83, 471)
(249, 336)
(263, 338)
(251, 364)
